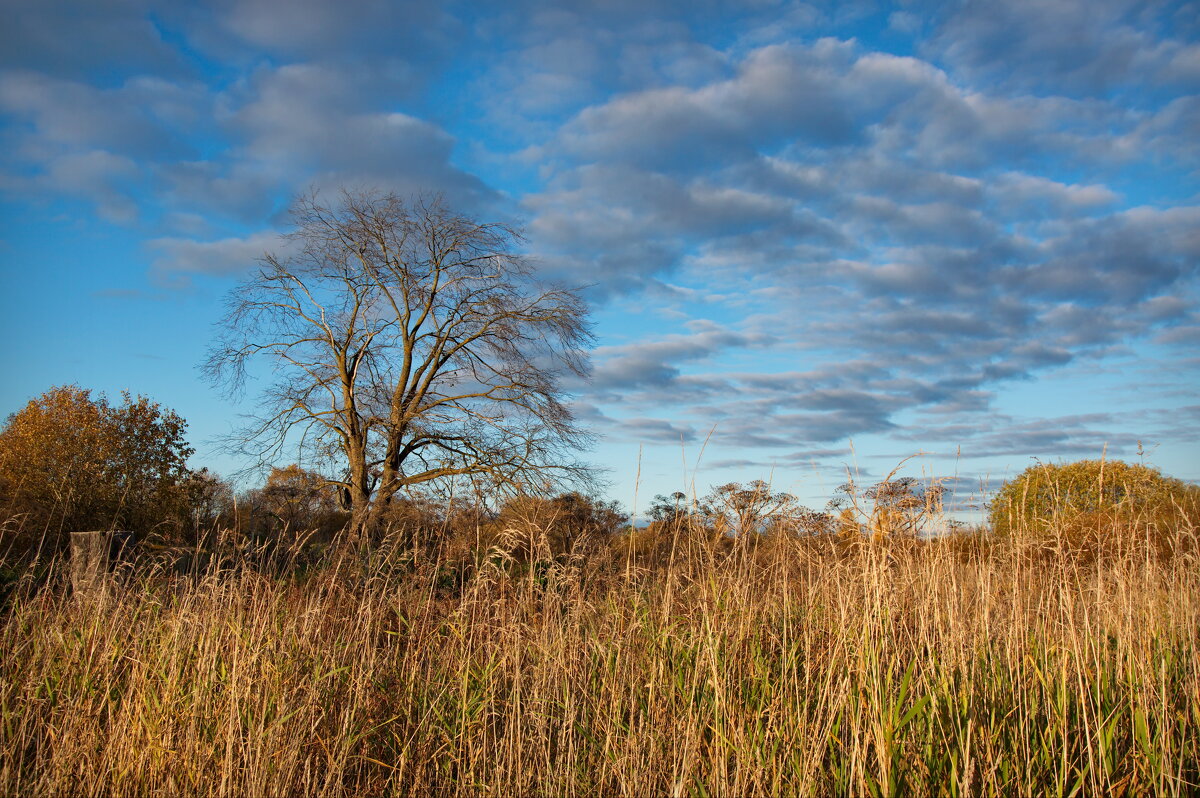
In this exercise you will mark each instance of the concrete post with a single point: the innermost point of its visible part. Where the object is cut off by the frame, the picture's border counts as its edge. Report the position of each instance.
(93, 555)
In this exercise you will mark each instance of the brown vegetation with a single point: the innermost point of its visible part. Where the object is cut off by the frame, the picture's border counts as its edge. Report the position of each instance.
(739, 644)
(492, 654)
(1094, 506)
(71, 462)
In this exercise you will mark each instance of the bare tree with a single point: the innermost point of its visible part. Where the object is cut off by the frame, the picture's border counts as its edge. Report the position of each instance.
(411, 343)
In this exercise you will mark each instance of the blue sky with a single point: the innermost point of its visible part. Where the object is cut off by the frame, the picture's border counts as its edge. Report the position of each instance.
(815, 236)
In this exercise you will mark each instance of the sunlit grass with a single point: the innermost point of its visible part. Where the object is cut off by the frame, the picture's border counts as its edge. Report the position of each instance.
(957, 666)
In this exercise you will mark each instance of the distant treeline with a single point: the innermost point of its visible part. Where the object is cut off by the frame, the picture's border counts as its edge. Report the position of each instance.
(71, 462)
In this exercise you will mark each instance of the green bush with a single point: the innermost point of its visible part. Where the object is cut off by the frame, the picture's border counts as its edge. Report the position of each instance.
(1072, 497)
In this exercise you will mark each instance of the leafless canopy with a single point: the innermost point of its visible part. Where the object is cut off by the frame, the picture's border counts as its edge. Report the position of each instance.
(410, 342)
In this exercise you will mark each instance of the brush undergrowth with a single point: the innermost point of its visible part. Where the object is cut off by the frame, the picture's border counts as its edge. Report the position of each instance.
(963, 665)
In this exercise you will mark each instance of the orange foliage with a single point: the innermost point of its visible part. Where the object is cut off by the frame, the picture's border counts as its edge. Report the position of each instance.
(70, 462)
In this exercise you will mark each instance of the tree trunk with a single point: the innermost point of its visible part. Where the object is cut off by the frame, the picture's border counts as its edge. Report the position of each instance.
(361, 517)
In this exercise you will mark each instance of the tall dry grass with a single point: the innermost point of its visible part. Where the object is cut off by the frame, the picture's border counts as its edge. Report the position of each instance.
(959, 666)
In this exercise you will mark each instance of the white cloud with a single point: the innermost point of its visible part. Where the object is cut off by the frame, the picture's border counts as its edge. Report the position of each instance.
(177, 259)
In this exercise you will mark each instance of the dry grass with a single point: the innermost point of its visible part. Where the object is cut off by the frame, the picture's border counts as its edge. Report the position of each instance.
(962, 666)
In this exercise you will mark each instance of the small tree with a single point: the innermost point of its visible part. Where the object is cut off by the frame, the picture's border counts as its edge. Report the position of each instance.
(301, 500)
(70, 462)
(411, 342)
(670, 511)
(562, 526)
(210, 501)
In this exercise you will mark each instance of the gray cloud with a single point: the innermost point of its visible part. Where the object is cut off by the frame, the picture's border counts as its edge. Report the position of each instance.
(311, 121)
(1090, 47)
(654, 364)
(278, 128)
(176, 259)
(1124, 258)
(778, 94)
(142, 117)
(657, 430)
(71, 38)
(819, 458)
(313, 28)
(1086, 435)
(68, 138)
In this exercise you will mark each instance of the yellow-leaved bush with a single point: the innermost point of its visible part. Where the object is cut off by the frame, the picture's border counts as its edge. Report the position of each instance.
(69, 462)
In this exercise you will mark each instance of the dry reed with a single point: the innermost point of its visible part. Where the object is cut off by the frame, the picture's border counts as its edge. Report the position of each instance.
(957, 666)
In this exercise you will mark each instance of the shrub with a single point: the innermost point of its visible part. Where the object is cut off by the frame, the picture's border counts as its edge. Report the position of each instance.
(1075, 500)
(570, 524)
(70, 462)
(894, 507)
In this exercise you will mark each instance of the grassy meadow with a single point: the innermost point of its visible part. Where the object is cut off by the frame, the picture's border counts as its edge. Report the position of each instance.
(964, 664)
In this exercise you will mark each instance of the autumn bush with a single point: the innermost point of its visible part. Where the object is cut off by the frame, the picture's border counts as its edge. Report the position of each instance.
(1098, 507)
(70, 461)
(292, 503)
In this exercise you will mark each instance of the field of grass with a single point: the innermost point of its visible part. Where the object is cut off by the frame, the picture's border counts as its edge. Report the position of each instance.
(963, 665)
